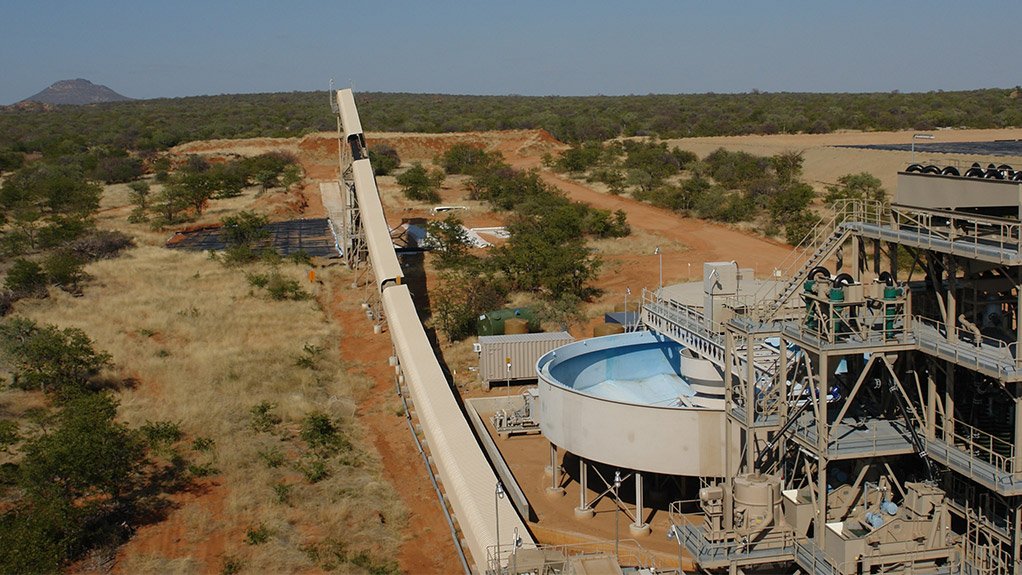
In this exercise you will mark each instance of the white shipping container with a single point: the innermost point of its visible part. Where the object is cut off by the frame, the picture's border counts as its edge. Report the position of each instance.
(519, 351)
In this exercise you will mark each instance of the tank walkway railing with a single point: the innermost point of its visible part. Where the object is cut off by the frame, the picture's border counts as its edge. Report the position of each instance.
(990, 356)
(977, 454)
(688, 327)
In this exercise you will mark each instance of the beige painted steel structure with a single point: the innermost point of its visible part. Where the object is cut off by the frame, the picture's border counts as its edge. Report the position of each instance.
(468, 479)
(351, 126)
(382, 257)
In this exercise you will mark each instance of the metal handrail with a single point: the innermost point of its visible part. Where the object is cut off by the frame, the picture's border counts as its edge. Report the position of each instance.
(968, 336)
(627, 552)
(975, 441)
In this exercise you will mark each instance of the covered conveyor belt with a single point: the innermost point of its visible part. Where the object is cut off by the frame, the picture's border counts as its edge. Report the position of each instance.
(381, 248)
(468, 479)
(469, 482)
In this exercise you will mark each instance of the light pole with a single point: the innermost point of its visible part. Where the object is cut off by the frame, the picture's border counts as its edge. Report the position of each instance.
(617, 517)
(497, 496)
(918, 137)
(628, 292)
(657, 252)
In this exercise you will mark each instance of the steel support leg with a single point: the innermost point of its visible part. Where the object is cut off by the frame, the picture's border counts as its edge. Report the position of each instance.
(555, 473)
(638, 527)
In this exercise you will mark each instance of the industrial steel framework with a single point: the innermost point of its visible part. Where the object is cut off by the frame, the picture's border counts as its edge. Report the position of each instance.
(896, 385)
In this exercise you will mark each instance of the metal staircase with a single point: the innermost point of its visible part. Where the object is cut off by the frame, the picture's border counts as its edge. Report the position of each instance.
(826, 249)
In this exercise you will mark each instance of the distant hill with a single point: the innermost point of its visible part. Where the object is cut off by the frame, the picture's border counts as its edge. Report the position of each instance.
(76, 92)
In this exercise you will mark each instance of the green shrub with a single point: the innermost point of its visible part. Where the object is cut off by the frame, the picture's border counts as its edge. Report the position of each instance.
(262, 417)
(48, 358)
(314, 470)
(160, 434)
(384, 159)
(257, 535)
(282, 493)
(281, 288)
(64, 270)
(320, 432)
(272, 457)
(26, 278)
(420, 184)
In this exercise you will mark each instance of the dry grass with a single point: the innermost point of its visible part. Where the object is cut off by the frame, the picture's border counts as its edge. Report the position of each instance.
(200, 347)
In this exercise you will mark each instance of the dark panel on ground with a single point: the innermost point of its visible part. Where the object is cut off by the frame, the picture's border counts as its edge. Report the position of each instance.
(312, 236)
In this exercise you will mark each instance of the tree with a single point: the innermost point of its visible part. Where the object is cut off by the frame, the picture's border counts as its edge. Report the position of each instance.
(168, 205)
(449, 240)
(25, 278)
(194, 189)
(118, 169)
(140, 192)
(790, 201)
(77, 482)
(42, 196)
(87, 459)
(242, 233)
(420, 184)
(860, 186)
(11, 160)
(787, 167)
(64, 270)
(60, 361)
(461, 297)
(245, 229)
(291, 175)
(466, 159)
(384, 159)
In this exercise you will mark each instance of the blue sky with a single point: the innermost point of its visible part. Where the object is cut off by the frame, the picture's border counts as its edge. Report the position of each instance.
(146, 49)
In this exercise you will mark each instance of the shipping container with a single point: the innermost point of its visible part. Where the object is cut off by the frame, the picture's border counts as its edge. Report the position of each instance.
(520, 351)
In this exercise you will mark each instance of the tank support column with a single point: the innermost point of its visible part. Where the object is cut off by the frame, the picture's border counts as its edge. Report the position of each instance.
(583, 511)
(638, 527)
(555, 474)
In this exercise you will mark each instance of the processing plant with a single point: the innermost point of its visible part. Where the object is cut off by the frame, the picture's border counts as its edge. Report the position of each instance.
(858, 413)
(873, 428)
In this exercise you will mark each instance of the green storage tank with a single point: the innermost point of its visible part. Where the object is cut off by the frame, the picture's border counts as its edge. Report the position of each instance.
(492, 322)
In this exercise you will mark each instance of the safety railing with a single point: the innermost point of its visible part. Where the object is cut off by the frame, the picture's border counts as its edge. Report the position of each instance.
(985, 446)
(950, 226)
(870, 437)
(767, 301)
(550, 559)
(967, 346)
(932, 561)
(870, 320)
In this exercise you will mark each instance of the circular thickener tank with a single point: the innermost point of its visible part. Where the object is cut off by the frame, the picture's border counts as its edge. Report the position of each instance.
(624, 400)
